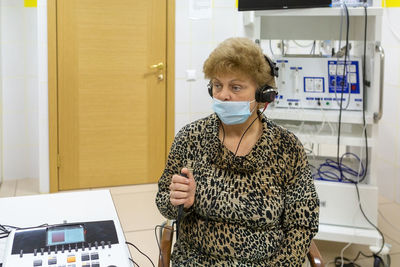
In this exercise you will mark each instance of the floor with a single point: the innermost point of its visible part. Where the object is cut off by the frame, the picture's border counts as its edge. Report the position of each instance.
(139, 216)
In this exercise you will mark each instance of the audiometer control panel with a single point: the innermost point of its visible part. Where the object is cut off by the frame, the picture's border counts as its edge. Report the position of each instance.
(88, 244)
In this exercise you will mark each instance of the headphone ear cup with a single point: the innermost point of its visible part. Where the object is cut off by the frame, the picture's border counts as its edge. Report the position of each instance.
(265, 94)
(271, 95)
(210, 87)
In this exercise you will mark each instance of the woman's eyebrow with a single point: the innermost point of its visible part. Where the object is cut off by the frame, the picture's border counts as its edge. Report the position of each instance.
(237, 80)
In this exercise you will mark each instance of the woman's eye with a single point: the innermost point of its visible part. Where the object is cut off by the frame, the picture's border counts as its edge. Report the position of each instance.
(236, 88)
(217, 86)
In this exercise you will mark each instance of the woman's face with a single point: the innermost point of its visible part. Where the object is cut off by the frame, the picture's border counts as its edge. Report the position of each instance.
(232, 87)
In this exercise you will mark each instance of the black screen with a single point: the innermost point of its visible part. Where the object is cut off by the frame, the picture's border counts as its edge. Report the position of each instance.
(246, 5)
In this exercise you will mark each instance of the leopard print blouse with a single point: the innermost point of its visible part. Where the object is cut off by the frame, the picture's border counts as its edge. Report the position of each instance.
(260, 209)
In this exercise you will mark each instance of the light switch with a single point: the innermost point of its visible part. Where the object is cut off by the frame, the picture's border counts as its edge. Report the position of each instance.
(190, 75)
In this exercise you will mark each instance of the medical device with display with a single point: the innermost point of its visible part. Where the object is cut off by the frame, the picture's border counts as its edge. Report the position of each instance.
(245, 5)
(319, 83)
(93, 244)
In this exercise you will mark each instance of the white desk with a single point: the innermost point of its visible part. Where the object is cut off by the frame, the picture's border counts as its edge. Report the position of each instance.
(85, 206)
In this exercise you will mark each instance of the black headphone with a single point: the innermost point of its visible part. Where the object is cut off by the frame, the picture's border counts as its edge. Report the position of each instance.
(264, 93)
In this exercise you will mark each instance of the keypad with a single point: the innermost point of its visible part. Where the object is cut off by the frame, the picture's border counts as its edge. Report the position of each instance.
(71, 259)
(82, 258)
(52, 261)
(85, 257)
(37, 263)
(94, 256)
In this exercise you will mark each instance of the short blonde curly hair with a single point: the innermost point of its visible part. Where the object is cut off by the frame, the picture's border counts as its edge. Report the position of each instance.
(240, 56)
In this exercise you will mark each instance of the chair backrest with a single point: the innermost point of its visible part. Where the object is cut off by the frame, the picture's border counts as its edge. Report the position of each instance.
(165, 246)
(313, 255)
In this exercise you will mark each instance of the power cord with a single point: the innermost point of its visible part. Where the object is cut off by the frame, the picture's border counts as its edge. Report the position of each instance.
(344, 262)
(134, 262)
(4, 232)
(363, 176)
(375, 255)
(331, 170)
(343, 80)
(129, 243)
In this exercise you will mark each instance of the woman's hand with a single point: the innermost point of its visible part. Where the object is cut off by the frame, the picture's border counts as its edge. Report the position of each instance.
(182, 189)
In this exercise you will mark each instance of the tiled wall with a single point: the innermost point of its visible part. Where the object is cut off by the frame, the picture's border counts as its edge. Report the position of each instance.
(19, 79)
(195, 39)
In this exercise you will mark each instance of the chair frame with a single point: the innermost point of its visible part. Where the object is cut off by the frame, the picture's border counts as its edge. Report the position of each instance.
(313, 255)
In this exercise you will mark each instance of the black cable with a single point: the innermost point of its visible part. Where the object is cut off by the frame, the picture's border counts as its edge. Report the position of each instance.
(313, 48)
(375, 255)
(361, 253)
(365, 134)
(373, 225)
(343, 83)
(160, 255)
(4, 232)
(180, 214)
(327, 170)
(364, 93)
(346, 262)
(129, 243)
(134, 262)
(258, 116)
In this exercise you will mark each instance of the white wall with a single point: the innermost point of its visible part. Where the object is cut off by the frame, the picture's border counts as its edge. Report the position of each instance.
(1, 103)
(195, 39)
(19, 78)
(23, 78)
(388, 142)
(43, 114)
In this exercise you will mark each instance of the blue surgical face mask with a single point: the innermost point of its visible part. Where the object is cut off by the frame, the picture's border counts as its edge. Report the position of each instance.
(232, 112)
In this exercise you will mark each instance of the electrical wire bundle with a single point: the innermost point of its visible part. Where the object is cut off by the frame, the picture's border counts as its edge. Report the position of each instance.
(331, 170)
(4, 232)
(338, 165)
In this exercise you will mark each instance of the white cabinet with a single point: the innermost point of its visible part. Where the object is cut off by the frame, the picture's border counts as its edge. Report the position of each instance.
(341, 219)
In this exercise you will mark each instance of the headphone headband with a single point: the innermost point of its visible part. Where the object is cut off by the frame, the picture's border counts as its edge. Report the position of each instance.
(272, 66)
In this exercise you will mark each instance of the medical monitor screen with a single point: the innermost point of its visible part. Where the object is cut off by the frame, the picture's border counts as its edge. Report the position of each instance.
(246, 5)
(61, 235)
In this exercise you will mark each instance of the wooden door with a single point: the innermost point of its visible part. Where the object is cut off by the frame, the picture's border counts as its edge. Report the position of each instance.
(111, 104)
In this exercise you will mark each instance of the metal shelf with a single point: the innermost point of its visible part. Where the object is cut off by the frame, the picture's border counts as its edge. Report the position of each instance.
(354, 117)
(332, 140)
(340, 217)
(348, 234)
(326, 11)
(315, 24)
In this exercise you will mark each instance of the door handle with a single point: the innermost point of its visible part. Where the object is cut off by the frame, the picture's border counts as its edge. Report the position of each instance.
(158, 66)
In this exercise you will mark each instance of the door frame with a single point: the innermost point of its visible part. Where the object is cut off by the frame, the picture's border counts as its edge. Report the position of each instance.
(53, 86)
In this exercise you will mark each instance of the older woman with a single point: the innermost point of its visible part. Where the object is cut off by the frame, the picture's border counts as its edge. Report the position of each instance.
(249, 199)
